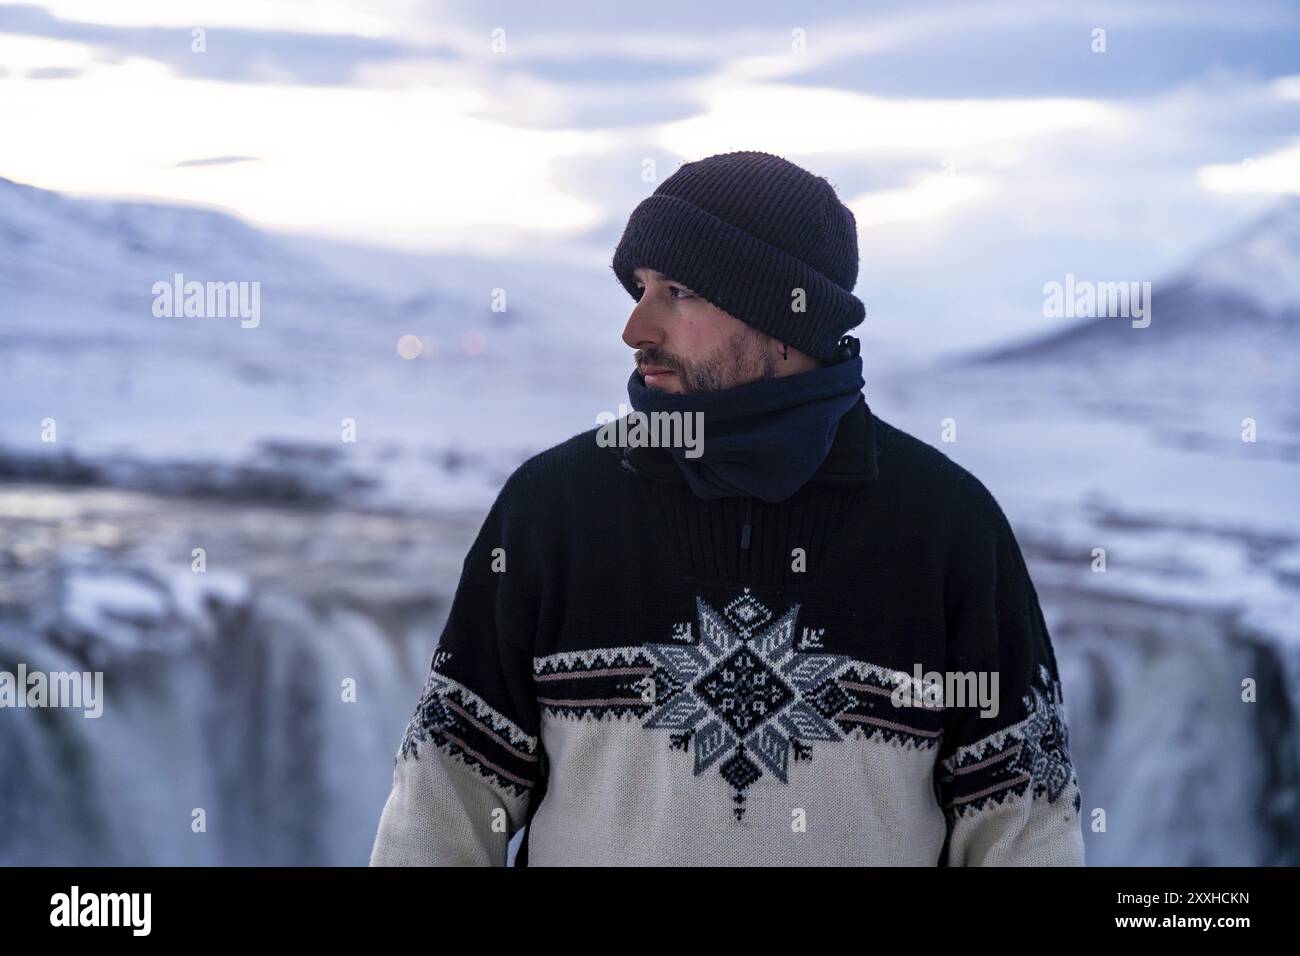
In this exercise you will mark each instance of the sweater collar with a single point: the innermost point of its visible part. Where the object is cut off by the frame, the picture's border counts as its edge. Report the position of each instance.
(852, 459)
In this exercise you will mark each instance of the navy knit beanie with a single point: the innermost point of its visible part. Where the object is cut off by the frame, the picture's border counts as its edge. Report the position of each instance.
(745, 230)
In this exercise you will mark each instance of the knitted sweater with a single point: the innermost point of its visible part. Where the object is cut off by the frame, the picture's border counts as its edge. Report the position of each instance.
(662, 679)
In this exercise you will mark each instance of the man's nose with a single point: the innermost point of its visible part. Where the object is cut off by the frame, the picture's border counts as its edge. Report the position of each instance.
(644, 328)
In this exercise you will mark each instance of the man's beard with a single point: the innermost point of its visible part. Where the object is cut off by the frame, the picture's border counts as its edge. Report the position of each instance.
(744, 358)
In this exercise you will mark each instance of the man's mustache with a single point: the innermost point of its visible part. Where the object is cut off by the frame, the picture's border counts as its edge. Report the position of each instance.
(653, 359)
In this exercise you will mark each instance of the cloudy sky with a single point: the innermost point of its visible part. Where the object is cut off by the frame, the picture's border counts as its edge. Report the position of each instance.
(985, 148)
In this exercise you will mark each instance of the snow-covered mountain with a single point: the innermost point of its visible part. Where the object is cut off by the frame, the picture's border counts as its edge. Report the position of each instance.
(224, 404)
(1229, 321)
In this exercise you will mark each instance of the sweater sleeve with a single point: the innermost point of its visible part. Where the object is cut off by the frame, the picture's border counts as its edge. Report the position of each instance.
(1004, 777)
(469, 758)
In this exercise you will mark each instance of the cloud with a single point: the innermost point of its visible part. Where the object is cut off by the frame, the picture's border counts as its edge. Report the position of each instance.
(410, 167)
(392, 18)
(54, 73)
(216, 161)
(928, 197)
(796, 120)
(1277, 172)
(233, 54)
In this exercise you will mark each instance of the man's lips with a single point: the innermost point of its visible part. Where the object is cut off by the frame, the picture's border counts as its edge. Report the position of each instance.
(652, 375)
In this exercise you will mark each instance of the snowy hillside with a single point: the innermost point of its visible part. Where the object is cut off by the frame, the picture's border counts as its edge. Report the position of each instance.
(1228, 322)
(210, 404)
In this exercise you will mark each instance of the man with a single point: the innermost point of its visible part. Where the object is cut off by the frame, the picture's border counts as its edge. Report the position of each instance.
(815, 642)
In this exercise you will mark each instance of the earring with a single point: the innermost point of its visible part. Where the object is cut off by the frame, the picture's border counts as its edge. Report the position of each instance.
(785, 350)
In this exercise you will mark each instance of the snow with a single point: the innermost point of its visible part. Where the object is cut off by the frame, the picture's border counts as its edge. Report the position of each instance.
(99, 604)
(1260, 263)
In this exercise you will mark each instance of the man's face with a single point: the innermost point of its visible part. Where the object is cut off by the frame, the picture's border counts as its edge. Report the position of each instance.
(684, 344)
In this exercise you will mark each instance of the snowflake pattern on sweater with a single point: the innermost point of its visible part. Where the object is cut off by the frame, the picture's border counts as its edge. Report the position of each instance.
(741, 689)
(745, 696)
(748, 692)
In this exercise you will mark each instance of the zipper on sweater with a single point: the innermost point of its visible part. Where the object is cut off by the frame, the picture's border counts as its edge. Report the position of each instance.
(625, 462)
(744, 532)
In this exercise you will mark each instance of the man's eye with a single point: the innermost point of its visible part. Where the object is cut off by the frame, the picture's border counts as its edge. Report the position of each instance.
(676, 291)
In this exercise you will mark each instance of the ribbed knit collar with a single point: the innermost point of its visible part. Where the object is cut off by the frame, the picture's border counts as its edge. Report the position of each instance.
(851, 460)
